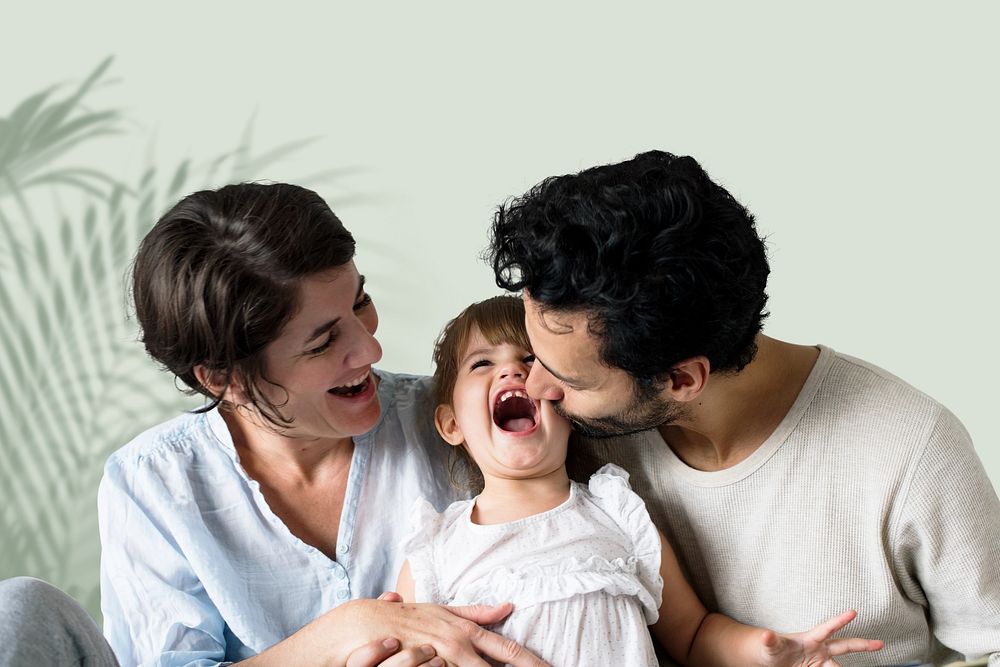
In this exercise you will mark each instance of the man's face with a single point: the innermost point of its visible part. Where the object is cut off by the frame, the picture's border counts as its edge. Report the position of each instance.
(599, 401)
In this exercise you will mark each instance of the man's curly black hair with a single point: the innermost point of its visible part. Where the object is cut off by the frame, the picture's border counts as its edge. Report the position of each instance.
(666, 263)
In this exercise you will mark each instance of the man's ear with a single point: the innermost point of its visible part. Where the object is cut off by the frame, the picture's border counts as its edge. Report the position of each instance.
(215, 382)
(447, 425)
(688, 378)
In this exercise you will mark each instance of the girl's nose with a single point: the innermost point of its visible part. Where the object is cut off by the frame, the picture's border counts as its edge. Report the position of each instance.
(514, 371)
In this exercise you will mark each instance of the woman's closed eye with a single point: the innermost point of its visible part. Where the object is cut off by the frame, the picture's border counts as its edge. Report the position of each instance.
(325, 345)
(366, 300)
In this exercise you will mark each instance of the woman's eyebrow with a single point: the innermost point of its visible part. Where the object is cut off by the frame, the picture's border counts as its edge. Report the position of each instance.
(326, 326)
(323, 328)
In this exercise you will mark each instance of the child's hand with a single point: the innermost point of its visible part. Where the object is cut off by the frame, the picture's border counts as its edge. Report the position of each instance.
(812, 648)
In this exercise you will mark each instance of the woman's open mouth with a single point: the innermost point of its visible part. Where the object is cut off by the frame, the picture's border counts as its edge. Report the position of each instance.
(515, 412)
(355, 387)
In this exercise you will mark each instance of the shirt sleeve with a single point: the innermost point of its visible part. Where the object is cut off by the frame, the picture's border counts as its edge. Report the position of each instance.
(418, 547)
(947, 543)
(156, 611)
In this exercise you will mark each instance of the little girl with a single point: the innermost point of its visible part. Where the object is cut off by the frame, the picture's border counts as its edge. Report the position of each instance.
(583, 564)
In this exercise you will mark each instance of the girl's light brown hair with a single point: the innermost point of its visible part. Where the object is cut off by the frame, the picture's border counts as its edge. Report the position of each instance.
(500, 320)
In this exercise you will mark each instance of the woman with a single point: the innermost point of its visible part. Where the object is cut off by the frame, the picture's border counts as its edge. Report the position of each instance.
(261, 527)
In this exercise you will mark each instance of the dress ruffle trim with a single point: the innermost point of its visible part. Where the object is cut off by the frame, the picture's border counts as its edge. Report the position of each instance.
(539, 583)
(611, 492)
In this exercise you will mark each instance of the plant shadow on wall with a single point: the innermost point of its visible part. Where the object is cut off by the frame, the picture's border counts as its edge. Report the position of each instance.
(74, 382)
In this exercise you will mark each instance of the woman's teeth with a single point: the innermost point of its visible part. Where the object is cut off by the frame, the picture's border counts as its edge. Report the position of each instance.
(352, 387)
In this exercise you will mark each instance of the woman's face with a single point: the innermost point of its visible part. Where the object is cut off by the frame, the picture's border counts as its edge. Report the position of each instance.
(323, 359)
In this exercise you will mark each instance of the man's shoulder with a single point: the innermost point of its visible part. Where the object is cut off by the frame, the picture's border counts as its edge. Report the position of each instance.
(853, 388)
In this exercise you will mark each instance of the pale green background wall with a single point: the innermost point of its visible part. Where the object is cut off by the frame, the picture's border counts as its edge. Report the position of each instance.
(863, 135)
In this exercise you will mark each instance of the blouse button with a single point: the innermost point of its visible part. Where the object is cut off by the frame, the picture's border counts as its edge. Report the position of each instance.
(344, 548)
(342, 595)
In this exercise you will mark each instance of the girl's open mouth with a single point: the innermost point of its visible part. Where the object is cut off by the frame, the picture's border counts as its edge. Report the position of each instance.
(515, 412)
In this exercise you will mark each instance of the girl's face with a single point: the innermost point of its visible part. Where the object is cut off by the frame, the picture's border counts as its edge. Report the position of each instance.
(508, 434)
(323, 359)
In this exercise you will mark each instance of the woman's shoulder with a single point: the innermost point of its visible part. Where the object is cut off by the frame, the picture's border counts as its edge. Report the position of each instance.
(401, 391)
(407, 419)
(181, 437)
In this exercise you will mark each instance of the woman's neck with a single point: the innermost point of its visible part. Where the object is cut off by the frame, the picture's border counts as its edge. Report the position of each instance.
(504, 499)
(274, 455)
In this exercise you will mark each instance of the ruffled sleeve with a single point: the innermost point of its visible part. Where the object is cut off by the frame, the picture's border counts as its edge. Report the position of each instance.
(612, 493)
(418, 547)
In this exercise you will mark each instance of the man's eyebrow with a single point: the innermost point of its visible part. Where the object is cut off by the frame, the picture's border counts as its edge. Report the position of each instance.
(326, 326)
(567, 380)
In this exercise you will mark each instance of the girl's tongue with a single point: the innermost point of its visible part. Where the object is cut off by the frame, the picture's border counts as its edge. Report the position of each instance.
(515, 415)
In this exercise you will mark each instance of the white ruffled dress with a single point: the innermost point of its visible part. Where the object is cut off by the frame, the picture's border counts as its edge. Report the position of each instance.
(584, 577)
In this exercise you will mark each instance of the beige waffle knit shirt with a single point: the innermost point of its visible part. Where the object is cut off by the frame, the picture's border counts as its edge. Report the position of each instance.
(868, 495)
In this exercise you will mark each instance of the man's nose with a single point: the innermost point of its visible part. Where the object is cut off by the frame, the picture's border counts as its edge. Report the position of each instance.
(541, 384)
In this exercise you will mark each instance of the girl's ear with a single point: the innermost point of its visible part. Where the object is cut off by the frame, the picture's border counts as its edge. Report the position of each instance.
(447, 425)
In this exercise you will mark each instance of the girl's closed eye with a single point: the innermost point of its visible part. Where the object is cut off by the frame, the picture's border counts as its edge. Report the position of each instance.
(480, 363)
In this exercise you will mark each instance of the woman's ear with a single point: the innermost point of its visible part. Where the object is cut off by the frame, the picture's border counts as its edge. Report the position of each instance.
(447, 425)
(215, 382)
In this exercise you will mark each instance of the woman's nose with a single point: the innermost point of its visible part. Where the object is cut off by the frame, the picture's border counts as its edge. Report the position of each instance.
(365, 350)
(540, 384)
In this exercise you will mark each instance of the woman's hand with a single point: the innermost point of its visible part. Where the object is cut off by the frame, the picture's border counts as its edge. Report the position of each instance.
(812, 648)
(386, 653)
(355, 632)
(455, 633)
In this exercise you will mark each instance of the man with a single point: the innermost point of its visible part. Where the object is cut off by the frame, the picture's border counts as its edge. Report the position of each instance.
(793, 481)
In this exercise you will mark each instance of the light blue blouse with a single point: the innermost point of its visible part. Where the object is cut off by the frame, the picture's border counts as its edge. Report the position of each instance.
(197, 570)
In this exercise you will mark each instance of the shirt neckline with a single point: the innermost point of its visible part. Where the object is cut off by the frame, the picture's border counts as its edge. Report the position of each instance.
(355, 478)
(768, 448)
(518, 523)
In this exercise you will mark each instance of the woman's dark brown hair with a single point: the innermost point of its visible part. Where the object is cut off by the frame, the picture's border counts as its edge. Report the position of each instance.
(217, 278)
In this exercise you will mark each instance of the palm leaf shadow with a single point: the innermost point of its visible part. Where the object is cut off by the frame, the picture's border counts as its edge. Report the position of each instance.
(74, 382)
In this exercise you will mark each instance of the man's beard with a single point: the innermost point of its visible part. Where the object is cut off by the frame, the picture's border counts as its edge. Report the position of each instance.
(647, 410)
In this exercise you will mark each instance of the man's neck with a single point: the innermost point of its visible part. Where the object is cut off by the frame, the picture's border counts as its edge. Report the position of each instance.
(736, 413)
